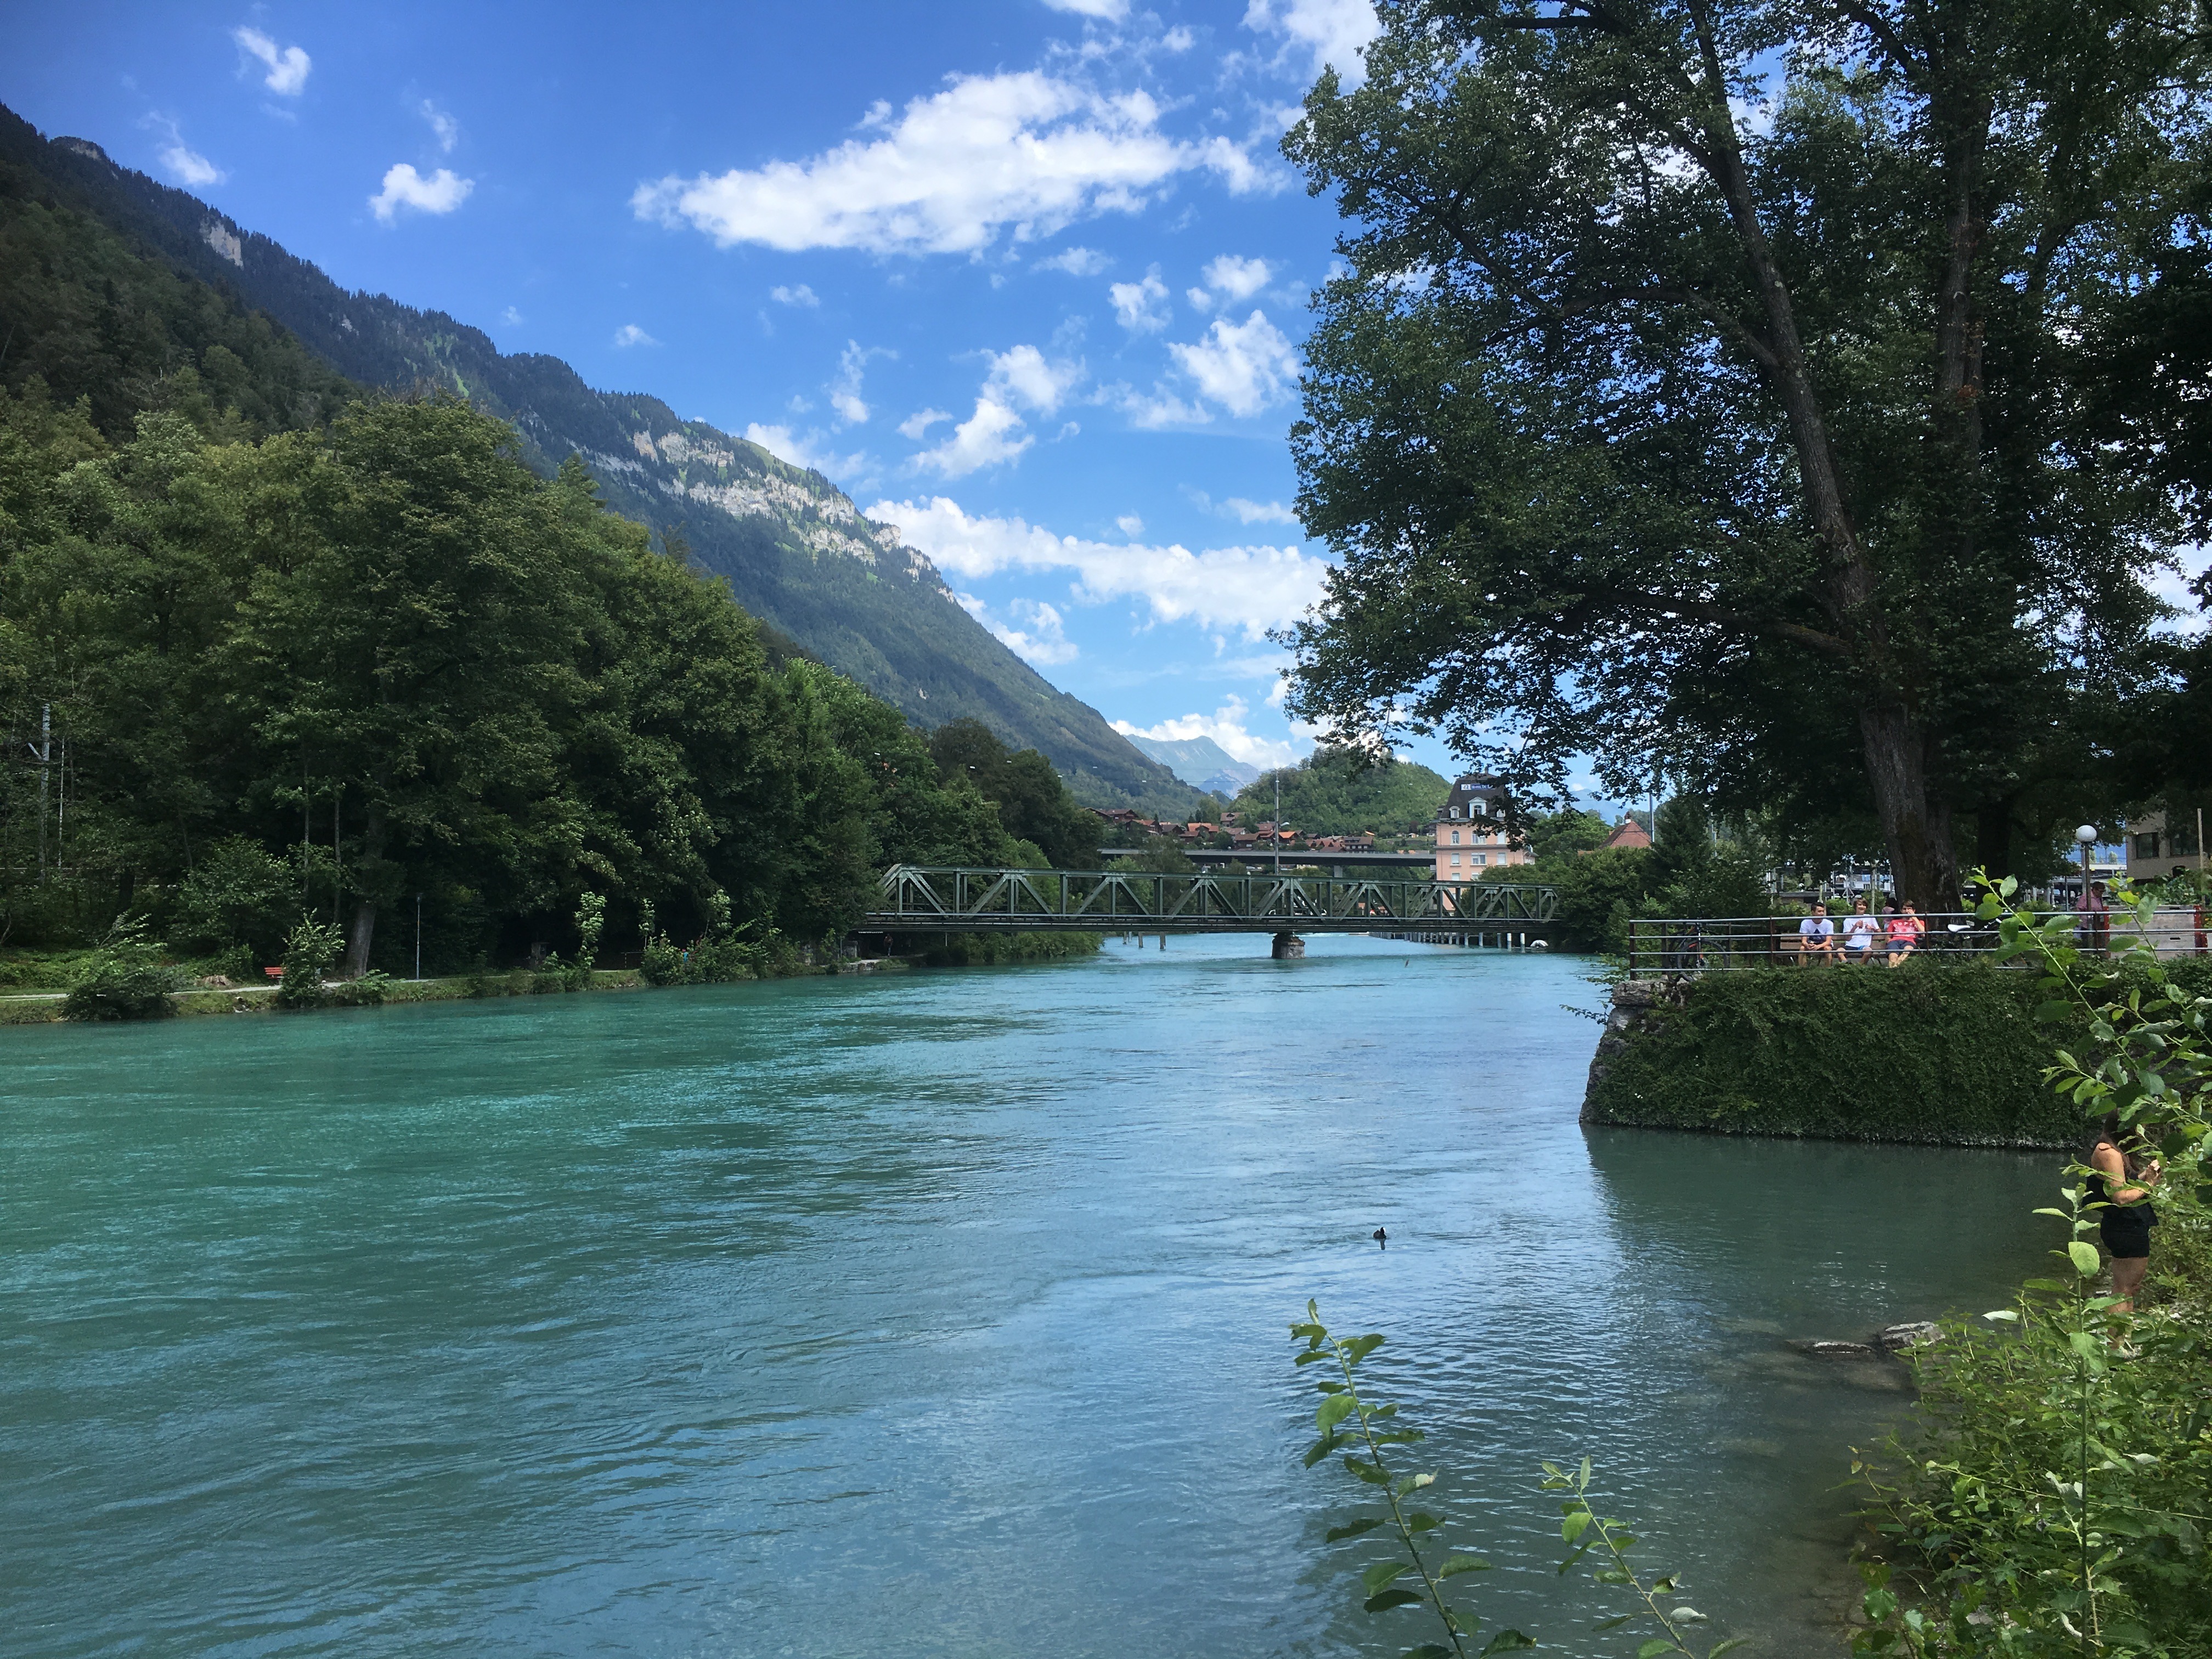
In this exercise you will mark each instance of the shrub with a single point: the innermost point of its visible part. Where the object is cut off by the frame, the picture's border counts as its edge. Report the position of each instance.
(125, 978)
(309, 951)
(236, 897)
(1929, 1052)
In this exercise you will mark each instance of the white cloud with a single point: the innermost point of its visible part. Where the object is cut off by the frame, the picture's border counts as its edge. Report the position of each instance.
(185, 165)
(1024, 377)
(1140, 308)
(801, 295)
(1259, 512)
(919, 421)
(441, 192)
(1113, 11)
(288, 69)
(994, 434)
(448, 129)
(1129, 524)
(1330, 31)
(1248, 589)
(1024, 154)
(629, 334)
(1225, 726)
(511, 317)
(1199, 298)
(1036, 634)
(845, 390)
(1032, 379)
(1244, 366)
(1238, 278)
(1076, 261)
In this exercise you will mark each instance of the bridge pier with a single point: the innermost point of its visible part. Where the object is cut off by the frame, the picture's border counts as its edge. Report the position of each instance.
(1287, 947)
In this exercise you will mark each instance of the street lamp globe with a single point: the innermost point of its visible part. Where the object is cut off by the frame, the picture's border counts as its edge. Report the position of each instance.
(2087, 835)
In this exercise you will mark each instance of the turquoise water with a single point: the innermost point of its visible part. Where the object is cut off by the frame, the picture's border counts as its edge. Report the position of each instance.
(933, 1314)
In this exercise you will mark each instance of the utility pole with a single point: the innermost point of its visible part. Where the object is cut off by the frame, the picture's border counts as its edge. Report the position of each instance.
(1279, 832)
(418, 937)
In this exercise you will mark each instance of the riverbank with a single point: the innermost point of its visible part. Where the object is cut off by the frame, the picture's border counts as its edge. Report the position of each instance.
(1926, 1054)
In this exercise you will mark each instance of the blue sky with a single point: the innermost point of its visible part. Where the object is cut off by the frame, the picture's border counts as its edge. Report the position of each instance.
(1026, 278)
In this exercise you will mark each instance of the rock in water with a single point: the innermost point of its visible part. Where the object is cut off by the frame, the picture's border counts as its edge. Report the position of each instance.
(1838, 1350)
(1915, 1333)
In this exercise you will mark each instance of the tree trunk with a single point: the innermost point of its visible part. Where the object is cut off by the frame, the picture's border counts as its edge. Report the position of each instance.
(1917, 828)
(1993, 835)
(364, 930)
(372, 878)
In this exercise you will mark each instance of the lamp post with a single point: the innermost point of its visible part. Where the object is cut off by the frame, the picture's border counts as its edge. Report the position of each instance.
(2087, 835)
(418, 937)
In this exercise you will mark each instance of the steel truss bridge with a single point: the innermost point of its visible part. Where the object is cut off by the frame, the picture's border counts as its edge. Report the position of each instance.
(918, 899)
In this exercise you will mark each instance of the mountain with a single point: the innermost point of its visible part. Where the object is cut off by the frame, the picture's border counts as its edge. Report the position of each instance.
(794, 550)
(1200, 761)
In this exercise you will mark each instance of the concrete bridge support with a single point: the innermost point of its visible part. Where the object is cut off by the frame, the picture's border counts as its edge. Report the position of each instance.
(1287, 947)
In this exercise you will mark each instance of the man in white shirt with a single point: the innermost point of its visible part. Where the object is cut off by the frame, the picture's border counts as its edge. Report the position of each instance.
(1860, 932)
(1816, 935)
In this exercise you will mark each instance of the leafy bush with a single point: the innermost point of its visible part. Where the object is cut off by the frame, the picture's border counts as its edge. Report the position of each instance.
(309, 951)
(2055, 1499)
(125, 978)
(237, 895)
(1930, 1052)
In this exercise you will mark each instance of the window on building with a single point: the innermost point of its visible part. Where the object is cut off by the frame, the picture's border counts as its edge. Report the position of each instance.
(1478, 858)
(1455, 837)
(1455, 860)
(2147, 845)
(2182, 842)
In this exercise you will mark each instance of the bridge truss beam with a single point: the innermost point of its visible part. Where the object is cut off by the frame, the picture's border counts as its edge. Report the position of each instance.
(918, 899)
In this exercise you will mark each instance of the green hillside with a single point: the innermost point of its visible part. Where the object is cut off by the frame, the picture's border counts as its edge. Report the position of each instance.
(794, 550)
(1335, 793)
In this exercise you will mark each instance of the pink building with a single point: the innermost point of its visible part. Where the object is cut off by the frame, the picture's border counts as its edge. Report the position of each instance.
(1471, 834)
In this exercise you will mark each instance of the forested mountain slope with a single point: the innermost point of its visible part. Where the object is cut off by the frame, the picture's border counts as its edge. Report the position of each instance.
(794, 550)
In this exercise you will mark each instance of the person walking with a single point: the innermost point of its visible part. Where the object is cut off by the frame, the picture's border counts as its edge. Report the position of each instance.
(2122, 1174)
(1816, 936)
(1860, 933)
(1905, 928)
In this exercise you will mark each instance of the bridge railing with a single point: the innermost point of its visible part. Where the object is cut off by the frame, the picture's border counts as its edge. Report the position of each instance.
(1696, 945)
(916, 898)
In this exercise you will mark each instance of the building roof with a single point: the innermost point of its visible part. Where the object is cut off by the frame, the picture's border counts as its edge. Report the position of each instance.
(1627, 833)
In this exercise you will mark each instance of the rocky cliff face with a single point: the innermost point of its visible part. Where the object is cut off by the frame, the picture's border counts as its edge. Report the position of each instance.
(795, 551)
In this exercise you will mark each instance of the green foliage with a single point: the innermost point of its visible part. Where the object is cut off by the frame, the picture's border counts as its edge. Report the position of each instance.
(1562, 833)
(386, 659)
(1365, 1432)
(1647, 432)
(237, 895)
(591, 920)
(1928, 1052)
(310, 950)
(1032, 804)
(125, 977)
(2055, 1499)
(1342, 791)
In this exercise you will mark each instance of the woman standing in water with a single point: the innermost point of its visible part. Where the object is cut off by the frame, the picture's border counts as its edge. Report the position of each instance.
(2121, 1179)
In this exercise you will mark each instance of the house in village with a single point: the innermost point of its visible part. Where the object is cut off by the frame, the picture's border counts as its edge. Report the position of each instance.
(1470, 830)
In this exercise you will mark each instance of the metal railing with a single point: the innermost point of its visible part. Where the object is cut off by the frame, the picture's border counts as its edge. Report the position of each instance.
(1661, 946)
(915, 899)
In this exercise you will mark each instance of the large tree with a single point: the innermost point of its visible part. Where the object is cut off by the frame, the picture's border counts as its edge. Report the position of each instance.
(1726, 385)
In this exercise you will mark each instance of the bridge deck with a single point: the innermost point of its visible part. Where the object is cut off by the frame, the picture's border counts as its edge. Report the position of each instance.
(916, 900)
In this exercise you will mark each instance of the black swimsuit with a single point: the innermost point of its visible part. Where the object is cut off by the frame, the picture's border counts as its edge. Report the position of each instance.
(2125, 1228)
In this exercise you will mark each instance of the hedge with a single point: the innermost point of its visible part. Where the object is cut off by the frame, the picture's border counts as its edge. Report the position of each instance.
(1927, 1052)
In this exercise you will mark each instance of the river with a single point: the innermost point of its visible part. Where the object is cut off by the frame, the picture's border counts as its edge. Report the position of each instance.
(939, 1313)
